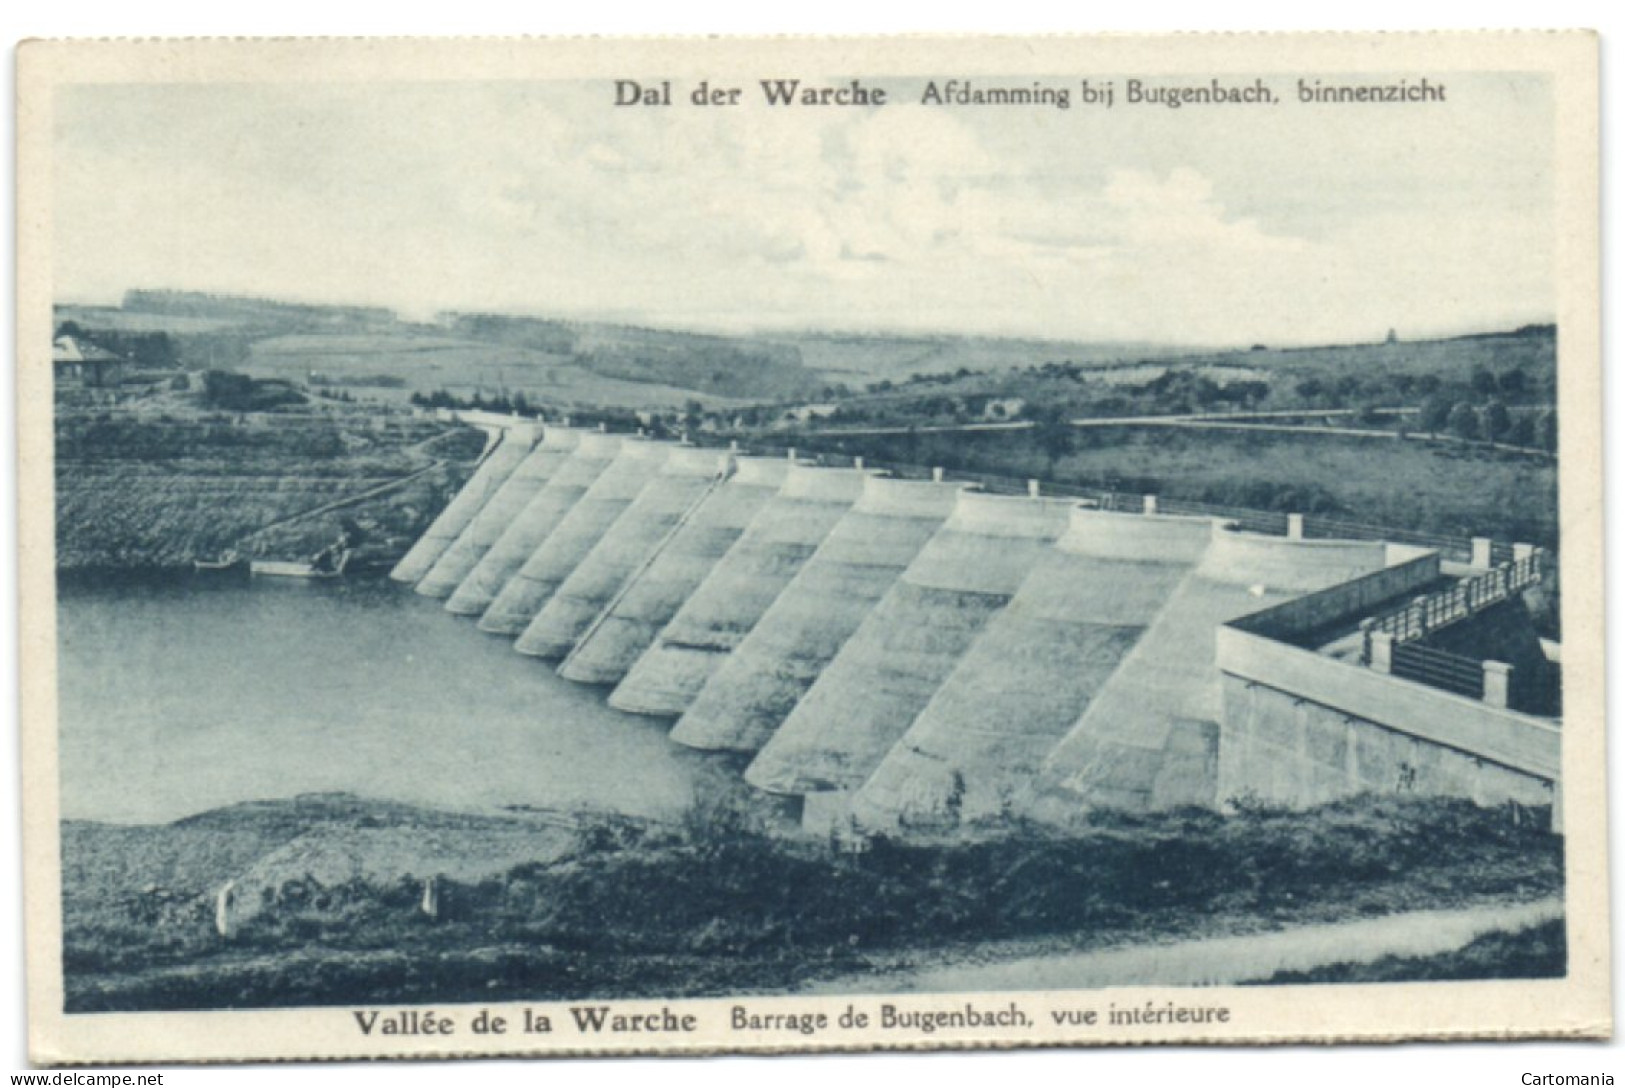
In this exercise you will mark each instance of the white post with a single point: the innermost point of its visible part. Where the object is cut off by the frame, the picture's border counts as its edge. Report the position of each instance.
(1497, 683)
(791, 453)
(1294, 526)
(1481, 552)
(431, 898)
(936, 474)
(1382, 651)
(1523, 551)
(1150, 504)
(857, 462)
(1032, 489)
(222, 909)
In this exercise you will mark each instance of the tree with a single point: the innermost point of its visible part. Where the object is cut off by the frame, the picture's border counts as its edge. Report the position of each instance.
(1546, 431)
(1464, 422)
(1496, 420)
(1435, 414)
(1513, 383)
(1483, 381)
(1522, 431)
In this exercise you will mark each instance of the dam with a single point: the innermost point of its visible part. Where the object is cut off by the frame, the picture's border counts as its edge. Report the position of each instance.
(756, 686)
(914, 655)
(630, 623)
(688, 476)
(588, 454)
(780, 538)
(577, 533)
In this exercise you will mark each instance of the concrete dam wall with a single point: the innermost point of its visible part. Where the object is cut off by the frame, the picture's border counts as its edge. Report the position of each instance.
(899, 656)
(510, 449)
(1029, 676)
(1149, 739)
(755, 687)
(688, 476)
(486, 526)
(631, 622)
(591, 454)
(918, 656)
(634, 466)
(750, 577)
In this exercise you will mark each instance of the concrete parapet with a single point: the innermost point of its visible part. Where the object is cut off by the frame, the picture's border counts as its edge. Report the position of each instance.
(1404, 736)
(635, 465)
(583, 464)
(742, 586)
(631, 623)
(687, 476)
(755, 688)
(486, 527)
(901, 653)
(446, 528)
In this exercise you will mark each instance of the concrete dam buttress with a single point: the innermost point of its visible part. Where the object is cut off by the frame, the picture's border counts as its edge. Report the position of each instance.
(632, 621)
(736, 593)
(902, 652)
(689, 476)
(1033, 671)
(634, 466)
(756, 686)
(592, 454)
(1149, 740)
(510, 449)
(923, 657)
(487, 526)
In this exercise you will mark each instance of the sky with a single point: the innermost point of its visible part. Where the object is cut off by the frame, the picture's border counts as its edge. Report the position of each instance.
(1217, 225)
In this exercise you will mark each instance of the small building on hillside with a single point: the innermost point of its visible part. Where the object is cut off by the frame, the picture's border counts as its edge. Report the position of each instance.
(77, 363)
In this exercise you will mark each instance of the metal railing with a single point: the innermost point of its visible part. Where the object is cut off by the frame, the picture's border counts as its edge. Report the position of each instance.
(1439, 669)
(1468, 596)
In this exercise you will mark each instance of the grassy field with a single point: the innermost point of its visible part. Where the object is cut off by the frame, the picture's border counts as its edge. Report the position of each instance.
(1441, 488)
(713, 904)
(136, 492)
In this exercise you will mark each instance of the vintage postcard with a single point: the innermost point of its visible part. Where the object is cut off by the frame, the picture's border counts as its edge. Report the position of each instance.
(539, 547)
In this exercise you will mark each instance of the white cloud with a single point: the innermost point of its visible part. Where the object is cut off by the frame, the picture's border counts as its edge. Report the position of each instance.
(539, 198)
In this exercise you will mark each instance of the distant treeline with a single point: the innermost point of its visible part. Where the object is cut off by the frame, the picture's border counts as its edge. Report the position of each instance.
(248, 309)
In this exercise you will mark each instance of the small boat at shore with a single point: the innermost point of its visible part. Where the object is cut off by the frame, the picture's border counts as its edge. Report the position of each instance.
(228, 562)
(325, 565)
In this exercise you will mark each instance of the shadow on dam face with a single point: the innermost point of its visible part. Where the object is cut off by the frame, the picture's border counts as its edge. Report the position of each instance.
(686, 478)
(511, 449)
(755, 687)
(736, 593)
(904, 649)
(1149, 740)
(495, 516)
(652, 597)
(634, 468)
(1032, 671)
(592, 454)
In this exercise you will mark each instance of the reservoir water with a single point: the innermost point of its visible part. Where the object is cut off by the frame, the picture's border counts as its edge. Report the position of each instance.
(178, 697)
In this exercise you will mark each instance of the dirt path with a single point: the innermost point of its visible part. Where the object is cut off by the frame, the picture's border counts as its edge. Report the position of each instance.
(1217, 961)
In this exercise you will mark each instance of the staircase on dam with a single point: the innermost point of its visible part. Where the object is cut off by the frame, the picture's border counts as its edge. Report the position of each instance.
(922, 656)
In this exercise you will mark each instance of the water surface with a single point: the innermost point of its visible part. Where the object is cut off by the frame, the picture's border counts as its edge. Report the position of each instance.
(186, 695)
